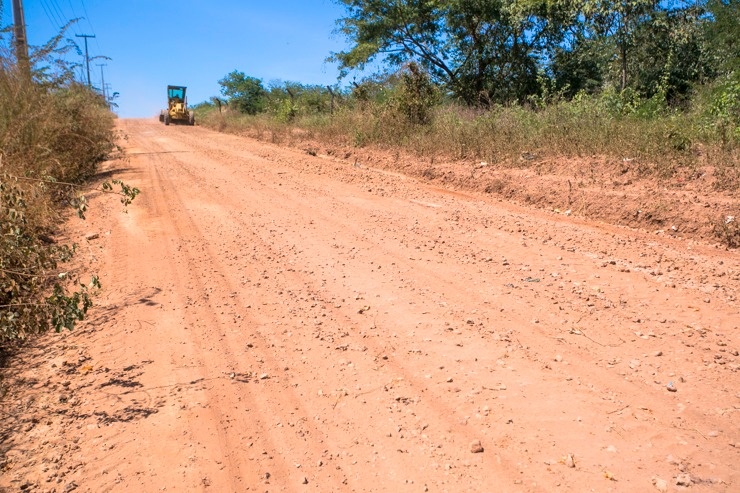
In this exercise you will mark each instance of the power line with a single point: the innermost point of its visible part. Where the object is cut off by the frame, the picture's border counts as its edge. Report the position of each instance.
(59, 12)
(89, 22)
(72, 8)
(87, 16)
(74, 15)
(51, 15)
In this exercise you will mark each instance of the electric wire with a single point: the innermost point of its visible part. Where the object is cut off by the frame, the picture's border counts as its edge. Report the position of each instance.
(59, 13)
(89, 22)
(74, 16)
(50, 14)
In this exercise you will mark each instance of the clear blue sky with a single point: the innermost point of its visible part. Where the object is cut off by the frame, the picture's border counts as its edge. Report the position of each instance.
(153, 43)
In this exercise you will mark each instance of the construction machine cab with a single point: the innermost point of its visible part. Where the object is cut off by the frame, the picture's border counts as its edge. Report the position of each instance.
(176, 94)
(177, 107)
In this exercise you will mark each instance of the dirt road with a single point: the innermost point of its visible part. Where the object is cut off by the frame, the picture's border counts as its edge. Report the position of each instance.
(275, 321)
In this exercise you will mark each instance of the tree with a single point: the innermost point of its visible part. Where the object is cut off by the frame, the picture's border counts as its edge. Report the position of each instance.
(244, 93)
(483, 51)
(722, 30)
(649, 46)
(670, 54)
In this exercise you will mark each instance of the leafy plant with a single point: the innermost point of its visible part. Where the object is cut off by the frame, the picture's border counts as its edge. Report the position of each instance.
(417, 94)
(246, 94)
(28, 269)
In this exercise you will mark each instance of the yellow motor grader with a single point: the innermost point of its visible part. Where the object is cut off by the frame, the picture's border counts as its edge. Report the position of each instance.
(177, 107)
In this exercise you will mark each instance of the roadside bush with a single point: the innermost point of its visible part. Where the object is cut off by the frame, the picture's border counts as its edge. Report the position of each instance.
(245, 94)
(52, 138)
(416, 95)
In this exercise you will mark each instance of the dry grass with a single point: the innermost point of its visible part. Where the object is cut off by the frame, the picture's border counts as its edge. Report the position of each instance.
(50, 135)
(658, 145)
(51, 140)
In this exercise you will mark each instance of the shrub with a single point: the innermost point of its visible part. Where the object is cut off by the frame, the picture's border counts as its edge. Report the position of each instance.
(52, 138)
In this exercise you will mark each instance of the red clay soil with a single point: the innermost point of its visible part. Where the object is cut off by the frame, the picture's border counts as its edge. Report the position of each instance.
(276, 321)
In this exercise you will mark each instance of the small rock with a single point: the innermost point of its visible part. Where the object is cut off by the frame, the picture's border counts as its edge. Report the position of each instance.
(92, 236)
(713, 434)
(570, 461)
(683, 480)
(264, 376)
(660, 484)
(558, 358)
(671, 387)
(658, 353)
(305, 480)
(476, 447)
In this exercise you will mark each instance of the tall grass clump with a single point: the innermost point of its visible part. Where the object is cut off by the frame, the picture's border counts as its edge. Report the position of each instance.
(53, 134)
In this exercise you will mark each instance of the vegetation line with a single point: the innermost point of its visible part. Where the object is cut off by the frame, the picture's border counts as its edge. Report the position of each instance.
(54, 132)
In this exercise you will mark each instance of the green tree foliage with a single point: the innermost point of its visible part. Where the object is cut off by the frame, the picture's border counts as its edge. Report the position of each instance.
(287, 100)
(649, 46)
(502, 51)
(722, 30)
(245, 94)
(481, 50)
(416, 94)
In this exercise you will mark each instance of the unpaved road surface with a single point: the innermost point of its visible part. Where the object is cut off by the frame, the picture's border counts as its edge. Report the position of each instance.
(275, 321)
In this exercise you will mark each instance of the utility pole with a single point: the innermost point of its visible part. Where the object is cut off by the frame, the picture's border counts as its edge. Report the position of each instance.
(102, 78)
(21, 41)
(87, 57)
